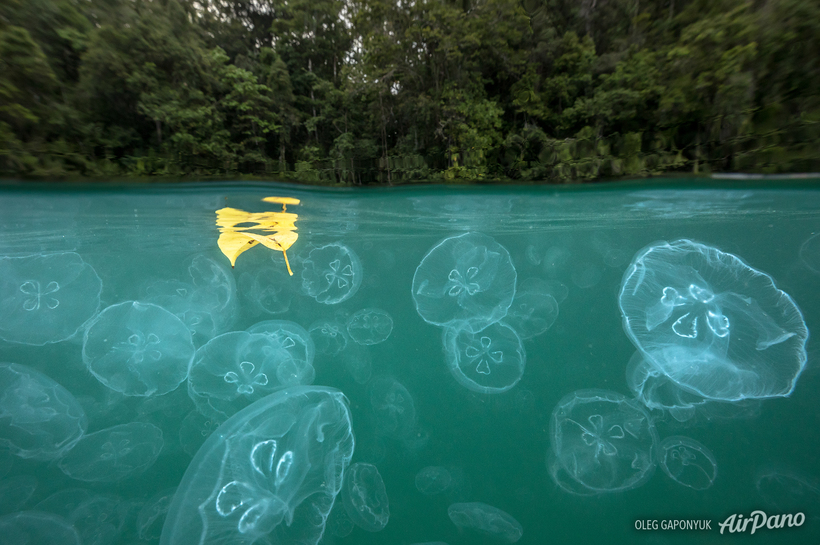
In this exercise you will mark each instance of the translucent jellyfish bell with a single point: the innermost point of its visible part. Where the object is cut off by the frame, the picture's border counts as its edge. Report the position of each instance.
(602, 442)
(46, 298)
(39, 419)
(365, 498)
(114, 454)
(138, 349)
(370, 326)
(486, 519)
(235, 369)
(490, 361)
(712, 323)
(269, 474)
(331, 273)
(687, 462)
(467, 279)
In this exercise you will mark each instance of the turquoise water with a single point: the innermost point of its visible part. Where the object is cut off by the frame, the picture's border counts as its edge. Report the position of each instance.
(570, 249)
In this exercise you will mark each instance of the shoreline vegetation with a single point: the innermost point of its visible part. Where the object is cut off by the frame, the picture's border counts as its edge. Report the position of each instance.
(387, 92)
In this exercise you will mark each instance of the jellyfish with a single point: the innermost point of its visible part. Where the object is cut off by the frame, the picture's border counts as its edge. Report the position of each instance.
(36, 527)
(602, 442)
(331, 274)
(487, 520)
(291, 338)
(467, 279)
(490, 361)
(270, 473)
(687, 462)
(39, 419)
(235, 369)
(205, 301)
(113, 454)
(46, 298)
(365, 498)
(138, 349)
(711, 323)
(370, 326)
(433, 480)
(394, 409)
(533, 310)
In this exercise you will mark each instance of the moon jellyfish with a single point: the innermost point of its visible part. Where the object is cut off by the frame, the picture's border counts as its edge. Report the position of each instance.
(39, 419)
(235, 369)
(393, 406)
(810, 253)
(113, 454)
(206, 302)
(487, 520)
(433, 480)
(292, 339)
(787, 491)
(365, 498)
(138, 349)
(194, 430)
(603, 442)
(329, 337)
(370, 326)
(46, 298)
(269, 474)
(533, 310)
(489, 362)
(711, 323)
(687, 462)
(467, 279)
(331, 273)
(27, 527)
(267, 290)
(658, 392)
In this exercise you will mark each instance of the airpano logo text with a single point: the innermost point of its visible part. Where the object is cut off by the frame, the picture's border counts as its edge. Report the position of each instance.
(758, 520)
(673, 524)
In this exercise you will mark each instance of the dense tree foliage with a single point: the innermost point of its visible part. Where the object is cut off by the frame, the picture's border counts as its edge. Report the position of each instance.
(389, 91)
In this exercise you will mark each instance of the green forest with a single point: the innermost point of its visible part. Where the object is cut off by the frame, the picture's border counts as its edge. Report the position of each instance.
(395, 91)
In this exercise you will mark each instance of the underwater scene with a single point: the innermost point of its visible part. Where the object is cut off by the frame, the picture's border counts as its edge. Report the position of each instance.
(272, 364)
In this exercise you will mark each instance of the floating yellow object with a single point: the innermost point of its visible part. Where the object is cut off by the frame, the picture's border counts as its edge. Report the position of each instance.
(240, 230)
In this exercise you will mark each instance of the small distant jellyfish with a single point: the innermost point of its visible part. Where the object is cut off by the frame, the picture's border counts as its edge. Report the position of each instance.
(39, 419)
(490, 361)
(114, 454)
(602, 441)
(433, 480)
(35, 527)
(712, 323)
(533, 310)
(394, 409)
(810, 253)
(331, 274)
(269, 474)
(487, 520)
(329, 337)
(235, 369)
(365, 498)
(467, 279)
(370, 326)
(46, 298)
(687, 462)
(138, 349)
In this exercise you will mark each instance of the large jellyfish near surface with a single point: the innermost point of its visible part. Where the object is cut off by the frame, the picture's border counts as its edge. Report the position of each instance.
(46, 298)
(39, 419)
(712, 323)
(467, 279)
(601, 442)
(270, 474)
(331, 273)
(138, 349)
(235, 369)
(490, 361)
